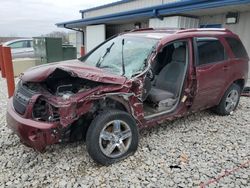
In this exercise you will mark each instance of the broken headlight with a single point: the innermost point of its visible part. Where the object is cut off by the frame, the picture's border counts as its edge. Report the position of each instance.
(43, 111)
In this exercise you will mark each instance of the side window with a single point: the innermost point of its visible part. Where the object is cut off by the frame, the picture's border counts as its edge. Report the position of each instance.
(237, 47)
(17, 45)
(210, 50)
(26, 44)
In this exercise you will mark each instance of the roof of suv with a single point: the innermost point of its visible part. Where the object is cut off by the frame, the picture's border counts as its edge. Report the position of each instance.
(166, 32)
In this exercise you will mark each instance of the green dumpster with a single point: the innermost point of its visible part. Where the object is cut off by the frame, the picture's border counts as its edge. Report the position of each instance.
(48, 49)
(69, 52)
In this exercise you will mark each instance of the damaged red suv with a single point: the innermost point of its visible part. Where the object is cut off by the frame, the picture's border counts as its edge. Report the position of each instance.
(135, 80)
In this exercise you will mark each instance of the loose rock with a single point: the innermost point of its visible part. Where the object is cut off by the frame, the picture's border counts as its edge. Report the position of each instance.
(202, 146)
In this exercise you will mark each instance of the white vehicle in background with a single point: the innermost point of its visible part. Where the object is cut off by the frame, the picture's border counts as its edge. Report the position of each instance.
(21, 48)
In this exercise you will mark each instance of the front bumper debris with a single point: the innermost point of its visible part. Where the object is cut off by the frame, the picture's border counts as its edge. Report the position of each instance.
(32, 133)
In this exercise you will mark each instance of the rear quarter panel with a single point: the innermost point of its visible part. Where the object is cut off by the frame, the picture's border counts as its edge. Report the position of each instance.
(238, 67)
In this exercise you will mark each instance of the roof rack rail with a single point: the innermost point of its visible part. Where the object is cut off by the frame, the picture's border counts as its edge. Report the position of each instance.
(155, 29)
(203, 29)
(142, 29)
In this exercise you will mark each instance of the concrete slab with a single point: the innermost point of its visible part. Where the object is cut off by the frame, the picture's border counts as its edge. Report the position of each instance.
(22, 64)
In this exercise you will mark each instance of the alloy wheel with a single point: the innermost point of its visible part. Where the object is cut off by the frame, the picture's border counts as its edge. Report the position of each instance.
(231, 100)
(115, 138)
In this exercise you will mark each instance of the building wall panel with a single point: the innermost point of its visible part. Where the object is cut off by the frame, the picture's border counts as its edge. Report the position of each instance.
(188, 22)
(95, 34)
(76, 39)
(174, 22)
(133, 5)
(112, 30)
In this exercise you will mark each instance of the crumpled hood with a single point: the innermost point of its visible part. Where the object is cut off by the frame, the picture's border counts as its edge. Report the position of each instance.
(75, 68)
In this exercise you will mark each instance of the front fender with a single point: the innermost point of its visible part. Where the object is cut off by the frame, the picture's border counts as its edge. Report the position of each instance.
(128, 100)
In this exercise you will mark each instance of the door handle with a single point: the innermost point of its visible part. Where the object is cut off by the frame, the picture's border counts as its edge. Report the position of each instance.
(225, 68)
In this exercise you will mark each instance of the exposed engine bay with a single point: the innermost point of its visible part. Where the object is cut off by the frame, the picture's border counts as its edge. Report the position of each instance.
(59, 84)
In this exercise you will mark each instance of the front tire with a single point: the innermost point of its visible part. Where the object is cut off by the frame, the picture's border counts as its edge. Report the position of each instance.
(229, 101)
(111, 137)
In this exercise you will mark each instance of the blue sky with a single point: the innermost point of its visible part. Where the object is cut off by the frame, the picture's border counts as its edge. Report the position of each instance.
(29, 18)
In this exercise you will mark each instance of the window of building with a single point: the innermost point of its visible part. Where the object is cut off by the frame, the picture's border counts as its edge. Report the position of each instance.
(210, 50)
(237, 47)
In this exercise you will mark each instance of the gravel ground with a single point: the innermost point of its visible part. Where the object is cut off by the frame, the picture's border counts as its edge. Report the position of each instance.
(182, 153)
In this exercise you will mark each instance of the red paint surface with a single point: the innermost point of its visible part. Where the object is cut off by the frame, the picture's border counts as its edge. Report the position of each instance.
(32, 133)
(204, 86)
(76, 68)
(1, 62)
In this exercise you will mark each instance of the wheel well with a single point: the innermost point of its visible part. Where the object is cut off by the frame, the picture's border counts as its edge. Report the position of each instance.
(110, 103)
(79, 128)
(240, 82)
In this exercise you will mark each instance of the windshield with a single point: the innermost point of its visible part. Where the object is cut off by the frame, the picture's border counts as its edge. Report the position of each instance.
(122, 55)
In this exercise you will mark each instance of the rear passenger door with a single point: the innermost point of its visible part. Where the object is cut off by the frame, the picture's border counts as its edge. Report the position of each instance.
(211, 65)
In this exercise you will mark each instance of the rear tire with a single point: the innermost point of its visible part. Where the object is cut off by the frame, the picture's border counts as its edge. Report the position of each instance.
(229, 101)
(112, 136)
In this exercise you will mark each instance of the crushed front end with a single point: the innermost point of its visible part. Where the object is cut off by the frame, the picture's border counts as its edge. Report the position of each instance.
(42, 112)
(36, 132)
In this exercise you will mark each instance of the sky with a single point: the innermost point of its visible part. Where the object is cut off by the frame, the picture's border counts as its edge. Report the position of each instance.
(29, 18)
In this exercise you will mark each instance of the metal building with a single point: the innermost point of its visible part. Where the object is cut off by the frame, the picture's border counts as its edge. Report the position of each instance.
(100, 23)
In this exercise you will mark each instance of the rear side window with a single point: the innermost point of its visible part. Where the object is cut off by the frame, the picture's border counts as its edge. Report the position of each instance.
(210, 50)
(26, 44)
(31, 43)
(237, 47)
